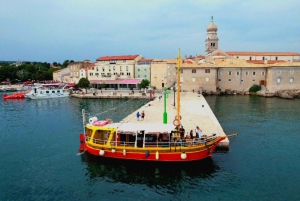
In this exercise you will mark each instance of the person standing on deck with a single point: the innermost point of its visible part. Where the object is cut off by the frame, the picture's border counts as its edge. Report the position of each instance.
(191, 134)
(198, 132)
(182, 131)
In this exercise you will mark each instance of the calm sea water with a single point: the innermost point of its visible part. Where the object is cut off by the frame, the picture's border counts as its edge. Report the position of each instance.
(39, 142)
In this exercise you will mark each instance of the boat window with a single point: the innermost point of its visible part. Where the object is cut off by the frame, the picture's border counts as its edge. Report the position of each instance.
(53, 92)
(88, 133)
(47, 92)
(58, 91)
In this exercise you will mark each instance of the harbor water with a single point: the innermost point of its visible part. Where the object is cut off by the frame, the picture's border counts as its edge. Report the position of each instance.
(39, 142)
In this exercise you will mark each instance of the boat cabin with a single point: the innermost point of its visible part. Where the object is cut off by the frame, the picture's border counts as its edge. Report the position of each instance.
(137, 135)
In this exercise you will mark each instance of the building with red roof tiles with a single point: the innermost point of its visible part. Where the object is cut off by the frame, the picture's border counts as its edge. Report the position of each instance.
(113, 67)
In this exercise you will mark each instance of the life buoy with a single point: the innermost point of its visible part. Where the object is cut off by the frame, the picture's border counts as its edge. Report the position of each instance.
(177, 118)
(176, 122)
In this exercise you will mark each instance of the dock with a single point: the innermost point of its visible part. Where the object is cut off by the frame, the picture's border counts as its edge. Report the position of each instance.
(194, 111)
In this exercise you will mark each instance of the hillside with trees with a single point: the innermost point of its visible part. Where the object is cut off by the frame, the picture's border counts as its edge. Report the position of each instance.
(29, 71)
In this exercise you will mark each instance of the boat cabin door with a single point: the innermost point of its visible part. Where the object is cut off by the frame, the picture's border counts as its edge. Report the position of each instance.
(140, 139)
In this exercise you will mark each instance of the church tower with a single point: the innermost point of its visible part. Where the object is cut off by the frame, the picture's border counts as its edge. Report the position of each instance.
(212, 38)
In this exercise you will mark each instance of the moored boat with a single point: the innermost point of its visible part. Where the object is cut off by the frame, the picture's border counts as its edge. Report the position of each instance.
(45, 91)
(144, 142)
(14, 96)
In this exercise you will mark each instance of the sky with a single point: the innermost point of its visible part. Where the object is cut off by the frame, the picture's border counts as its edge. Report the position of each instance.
(59, 30)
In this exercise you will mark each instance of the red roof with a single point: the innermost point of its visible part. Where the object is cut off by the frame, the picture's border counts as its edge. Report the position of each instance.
(124, 57)
(93, 64)
(145, 60)
(264, 53)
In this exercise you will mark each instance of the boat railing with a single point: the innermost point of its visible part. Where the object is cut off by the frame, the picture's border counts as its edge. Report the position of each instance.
(165, 143)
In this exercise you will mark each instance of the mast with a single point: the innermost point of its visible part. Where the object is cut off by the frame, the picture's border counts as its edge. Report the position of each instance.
(178, 87)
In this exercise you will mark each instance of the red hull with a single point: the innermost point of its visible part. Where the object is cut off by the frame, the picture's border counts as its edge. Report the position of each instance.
(146, 156)
(13, 96)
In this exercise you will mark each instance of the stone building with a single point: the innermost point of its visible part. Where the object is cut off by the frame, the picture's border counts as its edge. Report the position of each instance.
(75, 68)
(163, 73)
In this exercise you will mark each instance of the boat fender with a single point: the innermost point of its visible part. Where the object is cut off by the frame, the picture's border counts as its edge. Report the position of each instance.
(183, 155)
(147, 154)
(113, 151)
(101, 152)
(124, 152)
(176, 122)
(157, 155)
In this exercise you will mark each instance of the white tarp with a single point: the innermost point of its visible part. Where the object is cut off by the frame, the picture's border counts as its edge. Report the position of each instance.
(148, 128)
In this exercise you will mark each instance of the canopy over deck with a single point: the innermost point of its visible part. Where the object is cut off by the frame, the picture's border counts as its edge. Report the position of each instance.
(154, 128)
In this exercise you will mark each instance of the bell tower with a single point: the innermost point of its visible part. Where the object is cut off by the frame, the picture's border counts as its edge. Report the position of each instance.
(212, 40)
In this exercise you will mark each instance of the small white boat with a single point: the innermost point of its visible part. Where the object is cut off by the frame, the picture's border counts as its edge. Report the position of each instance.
(46, 91)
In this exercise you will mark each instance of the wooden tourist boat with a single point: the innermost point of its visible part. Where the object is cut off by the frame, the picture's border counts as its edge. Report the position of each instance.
(145, 141)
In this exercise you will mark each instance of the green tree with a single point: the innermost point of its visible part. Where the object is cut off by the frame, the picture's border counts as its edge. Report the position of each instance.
(144, 84)
(40, 77)
(23, 74)
(84, 83)
(255, 88)
(102, 86)
(65, 64)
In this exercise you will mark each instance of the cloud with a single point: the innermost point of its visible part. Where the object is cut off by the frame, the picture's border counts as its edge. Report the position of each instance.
(58, 30)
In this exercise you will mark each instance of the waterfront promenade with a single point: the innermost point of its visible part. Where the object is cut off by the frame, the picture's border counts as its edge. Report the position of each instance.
(194, 111)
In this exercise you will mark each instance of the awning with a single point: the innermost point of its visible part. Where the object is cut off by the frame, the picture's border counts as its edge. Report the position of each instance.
(131, 128)
(118, 81)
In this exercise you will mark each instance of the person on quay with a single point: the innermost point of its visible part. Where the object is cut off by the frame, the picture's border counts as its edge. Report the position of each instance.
(142, 115)
(138, 115)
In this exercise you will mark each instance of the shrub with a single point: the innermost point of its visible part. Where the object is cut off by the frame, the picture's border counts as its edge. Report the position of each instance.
(255, 88)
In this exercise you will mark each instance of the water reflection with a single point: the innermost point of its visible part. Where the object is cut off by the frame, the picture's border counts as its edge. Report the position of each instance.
(148, 173)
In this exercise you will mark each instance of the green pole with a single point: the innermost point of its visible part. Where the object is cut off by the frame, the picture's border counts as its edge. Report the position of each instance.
(165, 115)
